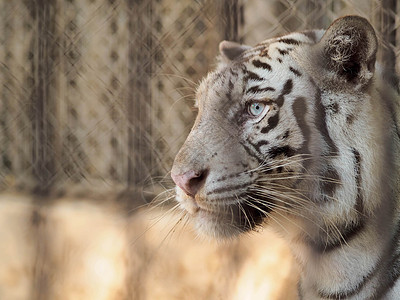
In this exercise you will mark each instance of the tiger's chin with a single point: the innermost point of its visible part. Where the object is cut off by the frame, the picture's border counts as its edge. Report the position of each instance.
(221, 223)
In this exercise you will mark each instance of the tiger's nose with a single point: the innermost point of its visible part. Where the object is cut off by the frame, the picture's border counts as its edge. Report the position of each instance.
(191, 181)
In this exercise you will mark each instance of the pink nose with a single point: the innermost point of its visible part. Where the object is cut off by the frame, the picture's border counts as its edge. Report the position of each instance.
(190, 182)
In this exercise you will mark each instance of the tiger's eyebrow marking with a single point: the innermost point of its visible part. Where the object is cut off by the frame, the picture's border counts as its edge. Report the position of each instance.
(294, 71)
(256, 89)
(289, 41)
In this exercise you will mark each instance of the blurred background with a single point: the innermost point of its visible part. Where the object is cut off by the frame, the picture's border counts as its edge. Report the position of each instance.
(96, 99)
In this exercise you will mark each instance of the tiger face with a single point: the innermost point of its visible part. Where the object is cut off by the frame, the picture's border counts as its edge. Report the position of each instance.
(261, 132)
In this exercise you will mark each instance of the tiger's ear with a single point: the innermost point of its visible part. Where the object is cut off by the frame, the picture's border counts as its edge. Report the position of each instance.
(231, 50)
(348, 49)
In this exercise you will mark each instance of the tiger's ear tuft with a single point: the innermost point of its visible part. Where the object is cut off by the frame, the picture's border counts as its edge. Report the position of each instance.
(231, 50)
(349, 49)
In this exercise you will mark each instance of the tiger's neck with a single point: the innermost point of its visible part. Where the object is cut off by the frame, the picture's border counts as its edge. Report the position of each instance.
(351, 252)
(357, 261)
(352, 268)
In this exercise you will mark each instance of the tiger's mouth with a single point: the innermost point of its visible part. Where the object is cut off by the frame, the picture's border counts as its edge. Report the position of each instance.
(224, 219)
(196, 205)
(188, 204)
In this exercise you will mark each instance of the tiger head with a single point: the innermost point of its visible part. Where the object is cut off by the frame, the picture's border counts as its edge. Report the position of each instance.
(262, 140)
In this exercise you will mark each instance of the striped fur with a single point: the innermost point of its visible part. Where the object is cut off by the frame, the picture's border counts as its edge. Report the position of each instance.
(320, 164)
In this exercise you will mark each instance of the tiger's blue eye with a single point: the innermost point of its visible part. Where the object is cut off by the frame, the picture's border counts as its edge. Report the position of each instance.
(256, 108)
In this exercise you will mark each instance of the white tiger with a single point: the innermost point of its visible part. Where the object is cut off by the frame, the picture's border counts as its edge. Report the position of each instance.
(302, 132)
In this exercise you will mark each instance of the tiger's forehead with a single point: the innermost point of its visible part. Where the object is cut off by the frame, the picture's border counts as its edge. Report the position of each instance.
(277, 48)
(222, 84)
(259, 72)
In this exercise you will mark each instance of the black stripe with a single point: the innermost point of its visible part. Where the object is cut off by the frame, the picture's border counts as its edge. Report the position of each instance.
(299, 108)
(321, 123)
(392, 276)
(256, 89)
(329, 183)
(229, 93)
(223, 178)
(295, 72)
(287, 89)
(265, 53)
(289, 41)
(389, 269)
(347, 232)
(253, 76)
(230, 84)
(283, 52)
(233, 73)
(228, 189)
(272, 123)
(285, 150)
(259, 64)
(252, 154)
(259, 144)
(350, 119)
(285, 135)
(262, 143)
(274, 120)
(357, 166)
(332, 108)
(392, 268)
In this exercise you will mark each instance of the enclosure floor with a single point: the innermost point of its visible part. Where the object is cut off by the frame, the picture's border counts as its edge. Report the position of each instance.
(80, 249)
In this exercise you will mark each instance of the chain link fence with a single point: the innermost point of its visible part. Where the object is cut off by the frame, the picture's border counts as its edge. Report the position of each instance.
(97, 94)
(96, 100)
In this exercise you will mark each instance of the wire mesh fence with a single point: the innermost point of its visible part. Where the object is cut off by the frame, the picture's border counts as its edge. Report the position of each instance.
(96, 97)
(98, 93)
